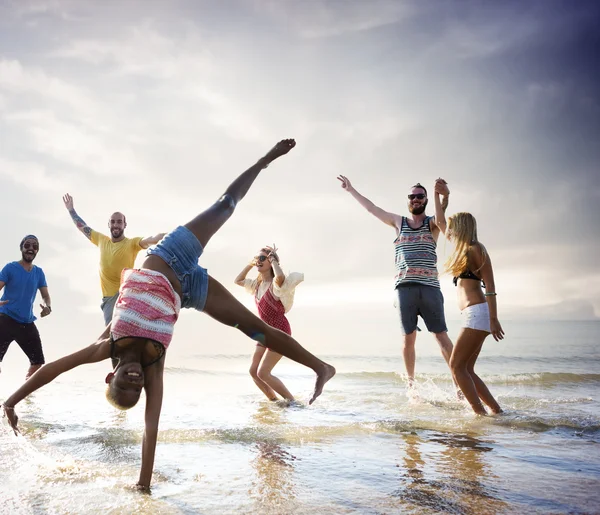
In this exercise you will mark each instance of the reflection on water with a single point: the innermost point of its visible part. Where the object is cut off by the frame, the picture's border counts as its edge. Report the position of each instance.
(446, 473)
(363, 448)
(273, 487)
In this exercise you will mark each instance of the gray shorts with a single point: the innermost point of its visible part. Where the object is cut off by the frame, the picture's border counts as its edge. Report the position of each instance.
(107, 307)
(414, 299)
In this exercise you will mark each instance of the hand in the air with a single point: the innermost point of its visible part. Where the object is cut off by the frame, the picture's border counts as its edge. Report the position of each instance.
(68, 200)
(272, 251)
(346, 184)
(441, 187)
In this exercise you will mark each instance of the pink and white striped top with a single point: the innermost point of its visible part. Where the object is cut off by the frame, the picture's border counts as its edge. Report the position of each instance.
(147, 307)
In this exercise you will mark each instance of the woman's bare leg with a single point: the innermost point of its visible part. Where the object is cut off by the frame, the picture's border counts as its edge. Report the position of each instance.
(259, 352)
(468, 341)
(207, 223)
(264, 373)
(482, 389)
(224, 307)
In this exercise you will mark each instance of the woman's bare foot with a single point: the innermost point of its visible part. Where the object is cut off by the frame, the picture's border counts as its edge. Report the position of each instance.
(323, 376)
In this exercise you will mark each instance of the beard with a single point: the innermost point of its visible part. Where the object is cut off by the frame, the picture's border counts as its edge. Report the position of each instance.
(116, 233)
(28, 258)
(417, 210)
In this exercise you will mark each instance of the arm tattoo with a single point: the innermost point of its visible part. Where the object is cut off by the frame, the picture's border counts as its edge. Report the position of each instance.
(80, 224)
(445, 203)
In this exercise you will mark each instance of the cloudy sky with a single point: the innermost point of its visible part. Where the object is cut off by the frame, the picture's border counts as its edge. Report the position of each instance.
(152, 108)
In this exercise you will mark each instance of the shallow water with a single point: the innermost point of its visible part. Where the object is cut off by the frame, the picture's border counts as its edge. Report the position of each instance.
(363, 447)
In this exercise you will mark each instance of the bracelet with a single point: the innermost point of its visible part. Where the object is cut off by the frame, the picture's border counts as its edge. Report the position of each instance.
(8, 407)
(490, 294)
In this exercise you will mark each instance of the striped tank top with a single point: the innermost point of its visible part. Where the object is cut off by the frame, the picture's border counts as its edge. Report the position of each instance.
(416, 259)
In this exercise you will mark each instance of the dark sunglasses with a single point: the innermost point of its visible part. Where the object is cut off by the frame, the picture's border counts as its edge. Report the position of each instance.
(30, 246)
(261, 258)
(414, 196)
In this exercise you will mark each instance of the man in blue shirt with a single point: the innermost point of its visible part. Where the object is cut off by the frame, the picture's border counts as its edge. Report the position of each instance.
(21, 280)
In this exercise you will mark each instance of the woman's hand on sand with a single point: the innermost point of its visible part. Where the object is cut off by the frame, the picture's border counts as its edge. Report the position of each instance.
(11, 415)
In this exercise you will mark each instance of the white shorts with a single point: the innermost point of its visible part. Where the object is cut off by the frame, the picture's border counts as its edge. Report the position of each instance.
(477, 317)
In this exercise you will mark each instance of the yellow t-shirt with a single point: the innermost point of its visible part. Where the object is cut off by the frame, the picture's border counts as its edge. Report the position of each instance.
(114, 257)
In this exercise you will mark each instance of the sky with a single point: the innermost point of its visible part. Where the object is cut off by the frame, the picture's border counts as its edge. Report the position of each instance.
(151, 108)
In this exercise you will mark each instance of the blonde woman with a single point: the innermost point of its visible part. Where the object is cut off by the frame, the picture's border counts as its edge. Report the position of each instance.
(471, 267)
(274, 295)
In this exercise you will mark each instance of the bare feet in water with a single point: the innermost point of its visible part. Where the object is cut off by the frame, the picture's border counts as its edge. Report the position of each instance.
(323, 376)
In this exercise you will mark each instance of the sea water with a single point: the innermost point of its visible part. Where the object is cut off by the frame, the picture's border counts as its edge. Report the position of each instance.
(367, 445)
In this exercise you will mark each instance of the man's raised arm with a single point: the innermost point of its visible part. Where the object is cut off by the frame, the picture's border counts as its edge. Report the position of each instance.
(384, 216)
(77, 220)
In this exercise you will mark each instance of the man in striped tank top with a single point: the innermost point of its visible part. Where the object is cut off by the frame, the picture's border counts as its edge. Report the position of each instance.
(417, 287)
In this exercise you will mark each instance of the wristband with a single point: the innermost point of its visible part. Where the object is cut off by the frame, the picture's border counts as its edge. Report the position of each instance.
(490, 294)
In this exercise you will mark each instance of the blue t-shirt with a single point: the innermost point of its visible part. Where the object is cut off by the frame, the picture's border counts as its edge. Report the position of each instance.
(20, 290)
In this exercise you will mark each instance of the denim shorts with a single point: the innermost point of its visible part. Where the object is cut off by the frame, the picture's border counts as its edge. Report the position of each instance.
(414, 299)
(180, 249)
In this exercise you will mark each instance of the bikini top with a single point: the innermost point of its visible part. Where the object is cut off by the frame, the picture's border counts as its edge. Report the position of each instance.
(467, 275)
(157, 345)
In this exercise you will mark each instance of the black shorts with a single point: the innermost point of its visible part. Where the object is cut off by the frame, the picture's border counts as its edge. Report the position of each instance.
(26, 336)
(413, 300)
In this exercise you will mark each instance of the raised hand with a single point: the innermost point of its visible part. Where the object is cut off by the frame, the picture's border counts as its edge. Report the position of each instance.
(13, 419)
(441, 187)
(68, 200)
(496, 329)
(280, 149)
(346, 184)
(272, 251)
(46, 310)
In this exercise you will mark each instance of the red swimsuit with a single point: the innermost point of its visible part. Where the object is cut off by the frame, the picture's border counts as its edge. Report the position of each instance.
(271, 311)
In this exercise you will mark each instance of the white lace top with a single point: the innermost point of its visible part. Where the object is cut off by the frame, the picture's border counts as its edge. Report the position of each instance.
(285, 292)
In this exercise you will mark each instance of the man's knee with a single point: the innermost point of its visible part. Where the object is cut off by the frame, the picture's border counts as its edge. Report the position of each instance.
(253, 372)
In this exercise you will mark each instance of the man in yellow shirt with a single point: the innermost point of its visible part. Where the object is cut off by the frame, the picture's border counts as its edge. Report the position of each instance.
(116, 253)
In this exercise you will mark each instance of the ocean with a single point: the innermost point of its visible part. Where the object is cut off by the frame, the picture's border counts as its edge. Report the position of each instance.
(365, 446)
